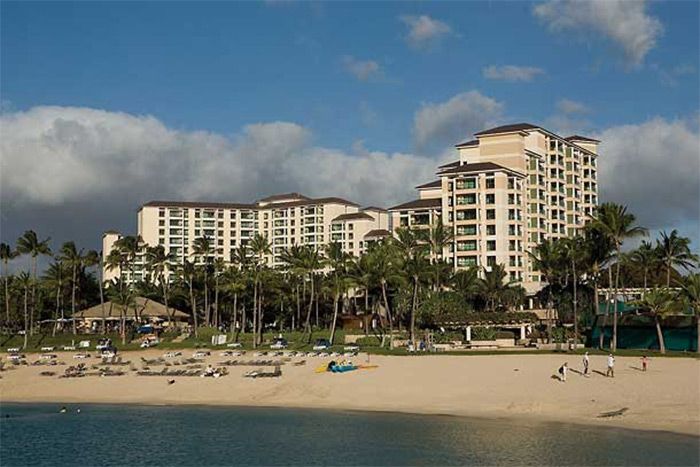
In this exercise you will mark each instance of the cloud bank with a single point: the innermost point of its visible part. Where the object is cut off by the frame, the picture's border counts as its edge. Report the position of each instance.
(626, 24)
(96, 167)
(654, 168)
(447, 123)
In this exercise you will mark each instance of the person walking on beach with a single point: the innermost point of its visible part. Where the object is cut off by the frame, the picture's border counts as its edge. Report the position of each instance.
(611, 366)
(586, 363)
(562, 372)
(645, 361)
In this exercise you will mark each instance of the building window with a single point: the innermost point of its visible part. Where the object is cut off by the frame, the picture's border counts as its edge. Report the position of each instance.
(490, 261)
(466, 229)
(491, 245)
(469, 245)
(161, 223)
(161, 213)
(466, 261)
(491, 229)
(490, 198)
(490, 183)
(490, 214)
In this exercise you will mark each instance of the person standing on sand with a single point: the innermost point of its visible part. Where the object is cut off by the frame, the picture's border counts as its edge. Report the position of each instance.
(562, 372)
(645, 361)
(611, 366)
(586, 363)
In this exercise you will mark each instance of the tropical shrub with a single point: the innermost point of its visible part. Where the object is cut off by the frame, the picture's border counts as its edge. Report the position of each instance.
(481, 333)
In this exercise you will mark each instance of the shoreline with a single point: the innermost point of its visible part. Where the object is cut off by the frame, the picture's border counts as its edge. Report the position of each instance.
(506, 387)
(496, 418)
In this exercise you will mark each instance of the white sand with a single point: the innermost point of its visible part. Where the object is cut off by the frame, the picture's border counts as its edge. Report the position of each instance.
(667, 397)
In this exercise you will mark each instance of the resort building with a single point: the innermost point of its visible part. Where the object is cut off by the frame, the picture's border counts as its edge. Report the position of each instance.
(511, 187)
(285, 220)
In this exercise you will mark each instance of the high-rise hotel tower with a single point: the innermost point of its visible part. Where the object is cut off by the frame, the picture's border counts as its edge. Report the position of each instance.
(512, 187)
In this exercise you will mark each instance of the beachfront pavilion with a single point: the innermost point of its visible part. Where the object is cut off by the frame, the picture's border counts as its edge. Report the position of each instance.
(522, 326)
(144, 311)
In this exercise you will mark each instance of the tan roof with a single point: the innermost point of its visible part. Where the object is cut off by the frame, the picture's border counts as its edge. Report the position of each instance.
(144, 306)
(378, 233)
(476, 167)
(419, 204)
(353, 216)
(430, 185)
(285, 196)
(199, 204)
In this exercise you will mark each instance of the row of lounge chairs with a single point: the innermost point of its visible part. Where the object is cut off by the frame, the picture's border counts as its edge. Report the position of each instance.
(264, 374)
(252, 363)
(181, 372)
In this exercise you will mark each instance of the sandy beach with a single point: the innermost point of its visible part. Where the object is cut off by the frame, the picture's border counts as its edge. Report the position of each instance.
(667, 397)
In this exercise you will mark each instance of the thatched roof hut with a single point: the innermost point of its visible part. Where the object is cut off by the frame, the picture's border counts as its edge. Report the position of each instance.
(145, 308)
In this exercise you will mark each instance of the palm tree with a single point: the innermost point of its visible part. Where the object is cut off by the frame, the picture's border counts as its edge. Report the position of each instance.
(646, 258)
(29, 244)
(546, 259)
(600, 251)
(241, 259)
(122, 295)
(233, 283)
(496, 289)
(203, 248)
(54, 277)
(466, 283)
(674, 251)
(690, 292)
(259, 247)
(361, 272)
(25, 282)
(617, 224)
(338, 260)
(94, 258)
(409, 245)
(385, 270)
(187, 272)
(574, 252)
(439, 237)
(658, 303)
(73, 258)
(7, 254)
(219, 269)
(159, 264)
(311, 262)
(130, 246)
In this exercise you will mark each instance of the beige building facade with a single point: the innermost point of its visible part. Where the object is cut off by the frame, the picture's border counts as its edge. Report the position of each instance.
(511, 187)
(285, 220)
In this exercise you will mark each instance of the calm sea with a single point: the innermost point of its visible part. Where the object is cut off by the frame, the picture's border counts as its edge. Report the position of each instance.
(105, 435)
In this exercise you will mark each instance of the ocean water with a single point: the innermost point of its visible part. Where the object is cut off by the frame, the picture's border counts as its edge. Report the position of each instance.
(131, 435)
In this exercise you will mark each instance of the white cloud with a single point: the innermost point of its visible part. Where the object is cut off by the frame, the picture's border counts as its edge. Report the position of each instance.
(512, 72)
(654, 168)
(625, 23)
(567, 106)
(361, 69)
(74, 172)
(449, 122)
(424, 31)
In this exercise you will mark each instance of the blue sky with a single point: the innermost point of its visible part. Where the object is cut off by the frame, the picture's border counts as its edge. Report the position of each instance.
(219, 66)
(391, 84)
